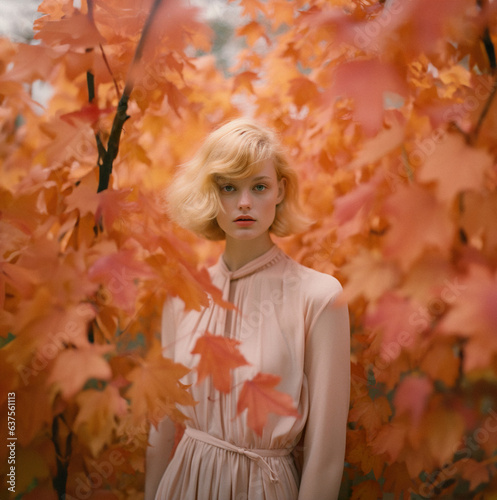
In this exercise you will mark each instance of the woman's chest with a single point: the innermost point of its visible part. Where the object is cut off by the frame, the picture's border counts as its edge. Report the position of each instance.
(268, 328)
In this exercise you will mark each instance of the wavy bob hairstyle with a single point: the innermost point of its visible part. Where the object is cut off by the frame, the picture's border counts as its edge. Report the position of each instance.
(236, 150)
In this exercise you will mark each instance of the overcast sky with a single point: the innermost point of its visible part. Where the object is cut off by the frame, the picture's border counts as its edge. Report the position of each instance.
(17, 16)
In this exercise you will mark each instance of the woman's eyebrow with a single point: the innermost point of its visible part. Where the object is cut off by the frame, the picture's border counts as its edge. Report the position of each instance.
(219, 178)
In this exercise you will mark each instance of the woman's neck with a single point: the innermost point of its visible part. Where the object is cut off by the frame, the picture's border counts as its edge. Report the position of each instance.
(237, 253)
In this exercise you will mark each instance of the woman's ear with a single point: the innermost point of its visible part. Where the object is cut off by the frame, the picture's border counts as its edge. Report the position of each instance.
(281, 190)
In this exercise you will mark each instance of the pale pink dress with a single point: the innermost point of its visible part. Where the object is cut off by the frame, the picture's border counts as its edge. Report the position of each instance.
(288, 326)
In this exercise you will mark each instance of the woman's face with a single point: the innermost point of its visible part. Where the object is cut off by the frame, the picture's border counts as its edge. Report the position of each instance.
(248, 206)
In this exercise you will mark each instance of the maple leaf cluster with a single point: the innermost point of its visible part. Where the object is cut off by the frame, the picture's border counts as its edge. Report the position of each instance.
(387, 111)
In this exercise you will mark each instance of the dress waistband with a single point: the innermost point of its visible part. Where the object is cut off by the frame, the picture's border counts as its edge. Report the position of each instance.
(257, 455)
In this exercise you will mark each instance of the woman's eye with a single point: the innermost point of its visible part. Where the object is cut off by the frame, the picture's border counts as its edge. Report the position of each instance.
(227, 189)
(260, 187)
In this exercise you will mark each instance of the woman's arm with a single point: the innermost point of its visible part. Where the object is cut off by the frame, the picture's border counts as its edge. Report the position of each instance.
(327, 366)
(161, 443)
(161, 440)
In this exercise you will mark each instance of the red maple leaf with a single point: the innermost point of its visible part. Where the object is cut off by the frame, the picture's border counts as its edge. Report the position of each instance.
(218, 355)
(260, 398)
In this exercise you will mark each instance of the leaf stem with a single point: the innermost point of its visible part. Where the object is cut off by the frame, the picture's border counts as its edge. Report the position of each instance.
(107, 65)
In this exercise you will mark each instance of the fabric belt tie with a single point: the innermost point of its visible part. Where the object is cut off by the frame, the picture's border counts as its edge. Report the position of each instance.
(256, 455)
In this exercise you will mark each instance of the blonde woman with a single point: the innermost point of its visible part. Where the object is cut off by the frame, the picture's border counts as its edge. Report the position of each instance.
(240, 188)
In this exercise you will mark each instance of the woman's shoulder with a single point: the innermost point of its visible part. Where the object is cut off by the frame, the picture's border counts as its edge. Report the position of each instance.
(172, 307)
(313, 284)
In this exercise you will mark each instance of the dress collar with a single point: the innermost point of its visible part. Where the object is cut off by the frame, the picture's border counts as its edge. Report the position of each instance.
(267, 259)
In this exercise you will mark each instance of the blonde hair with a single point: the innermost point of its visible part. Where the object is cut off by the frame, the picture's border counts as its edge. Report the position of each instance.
(236, 150)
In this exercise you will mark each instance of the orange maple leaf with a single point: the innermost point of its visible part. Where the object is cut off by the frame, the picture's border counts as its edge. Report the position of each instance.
(369, 100)
(156, 388)
(455, 166)
(251, 7)
(33, 62)
(218, 355)
(74, 367)
(473, 316)
(120, 273)
(391, 322)
(283, 13)
(419, 222)
(113, 206)
(253, 31)
(97, 416)
(244, 80)
(478, 220)
(397, 480)
(390, 440)
(367, 490)
(360, 453)
(66, 140)
(371, 414)
(439, 429)
(77, 31)
(260, 398)
(369, 275)
(441, 362)
(475, 472)
(303, 91)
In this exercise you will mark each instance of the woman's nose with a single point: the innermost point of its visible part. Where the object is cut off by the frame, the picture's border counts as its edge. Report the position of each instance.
(245, 201)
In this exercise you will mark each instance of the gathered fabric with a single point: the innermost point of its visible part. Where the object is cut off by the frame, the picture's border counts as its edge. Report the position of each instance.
(253, 454)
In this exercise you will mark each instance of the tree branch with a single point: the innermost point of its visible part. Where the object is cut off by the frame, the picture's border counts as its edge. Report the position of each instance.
(90, 83)
(113, 144)
(490, 50)
(121, 115)
(62, 454)
(485, 111)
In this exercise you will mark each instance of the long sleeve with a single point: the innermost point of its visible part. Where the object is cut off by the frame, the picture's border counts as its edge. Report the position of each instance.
(161, 443)
(327, 366)
(162, 439)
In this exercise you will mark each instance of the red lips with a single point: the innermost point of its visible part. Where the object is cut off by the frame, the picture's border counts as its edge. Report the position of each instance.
(244, 218)
(244, 221)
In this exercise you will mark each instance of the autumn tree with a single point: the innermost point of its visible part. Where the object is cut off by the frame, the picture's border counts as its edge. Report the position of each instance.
(386, 109)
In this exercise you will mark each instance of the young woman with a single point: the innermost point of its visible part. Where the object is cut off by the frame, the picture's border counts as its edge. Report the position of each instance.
(240, 188)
